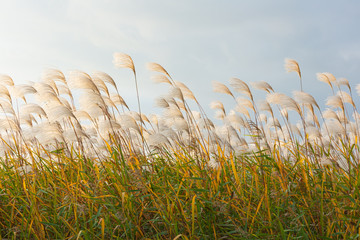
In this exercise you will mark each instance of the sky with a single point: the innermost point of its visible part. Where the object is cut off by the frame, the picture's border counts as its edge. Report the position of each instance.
(196, 41)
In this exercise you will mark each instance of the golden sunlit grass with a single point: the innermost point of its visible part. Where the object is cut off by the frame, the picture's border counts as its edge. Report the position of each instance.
(83, 166)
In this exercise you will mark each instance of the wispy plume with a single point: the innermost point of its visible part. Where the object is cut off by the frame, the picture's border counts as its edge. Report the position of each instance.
(292, 66)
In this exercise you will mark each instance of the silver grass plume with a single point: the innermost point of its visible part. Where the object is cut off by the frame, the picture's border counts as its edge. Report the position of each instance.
(105, 78)
(262, 85)
(241, 86)
(6, 80)
(305, 98)
(19, 91)
(217, 105)
(4, 93)
(292, 66)
(221, 88)
(187, 93)
(159, 78)
(155, 67)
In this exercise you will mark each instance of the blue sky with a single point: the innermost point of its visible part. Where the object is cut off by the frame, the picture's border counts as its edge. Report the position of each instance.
(196, 41)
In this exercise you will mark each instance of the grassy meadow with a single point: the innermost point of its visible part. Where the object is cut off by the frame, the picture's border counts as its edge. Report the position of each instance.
(85, 166)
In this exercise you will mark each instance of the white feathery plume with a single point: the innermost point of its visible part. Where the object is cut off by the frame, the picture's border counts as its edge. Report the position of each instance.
(323, 78)
(217, 105)
(54, 75)
(264, 106)
(185, 139)
(64, 89)
(6, 107)
(19, 91)
(94, 111)
(245, 102)
(135, 115)
(172, 112)
(160, 79)
(128, 122)
(155, 67)
(4, 93)
(292, 66)
(335, 102)
(157, 139)
(51, 82)
(284, 101)
(346, 97)
(219, 115)
(180, 124)
(122, 60)
(105, 78)
(313, 132)
(45, 93)
(175, 92)
(205, 122)
(58, 112)
(82, 115)
(169, 133)
(334, 127)
(46, 133)
(161, 102)
(74, 134)
(274, 122)
(330, 114)
(326, 78)
(274, 98)
(118, 100)
(187, 93)
(240, 86)
(27, 119)
(100, 84)
(108, 126)
(6, 80)
(342, 117)
(304, 98)
(89, 99)
(234, 120)
(171, 101)
(108, 102)
(330, 76)
(343, 82)
(262, 85)
(221, 88)
(222, 132)
(81, 80)
(242, 109)
(8, 124)
(32, 108)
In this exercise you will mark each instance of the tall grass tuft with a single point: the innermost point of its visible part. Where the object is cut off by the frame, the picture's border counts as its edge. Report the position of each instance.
(85, 166)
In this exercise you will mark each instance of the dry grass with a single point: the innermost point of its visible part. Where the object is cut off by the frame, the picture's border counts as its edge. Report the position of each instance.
(89, 168)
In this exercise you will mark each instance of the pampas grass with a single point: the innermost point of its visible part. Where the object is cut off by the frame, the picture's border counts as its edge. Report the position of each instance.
(85, 166)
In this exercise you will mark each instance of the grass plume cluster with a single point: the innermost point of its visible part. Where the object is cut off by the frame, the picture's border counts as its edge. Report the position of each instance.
(85, 166)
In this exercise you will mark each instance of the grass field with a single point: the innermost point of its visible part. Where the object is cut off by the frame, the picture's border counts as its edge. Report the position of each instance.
(85, 166)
